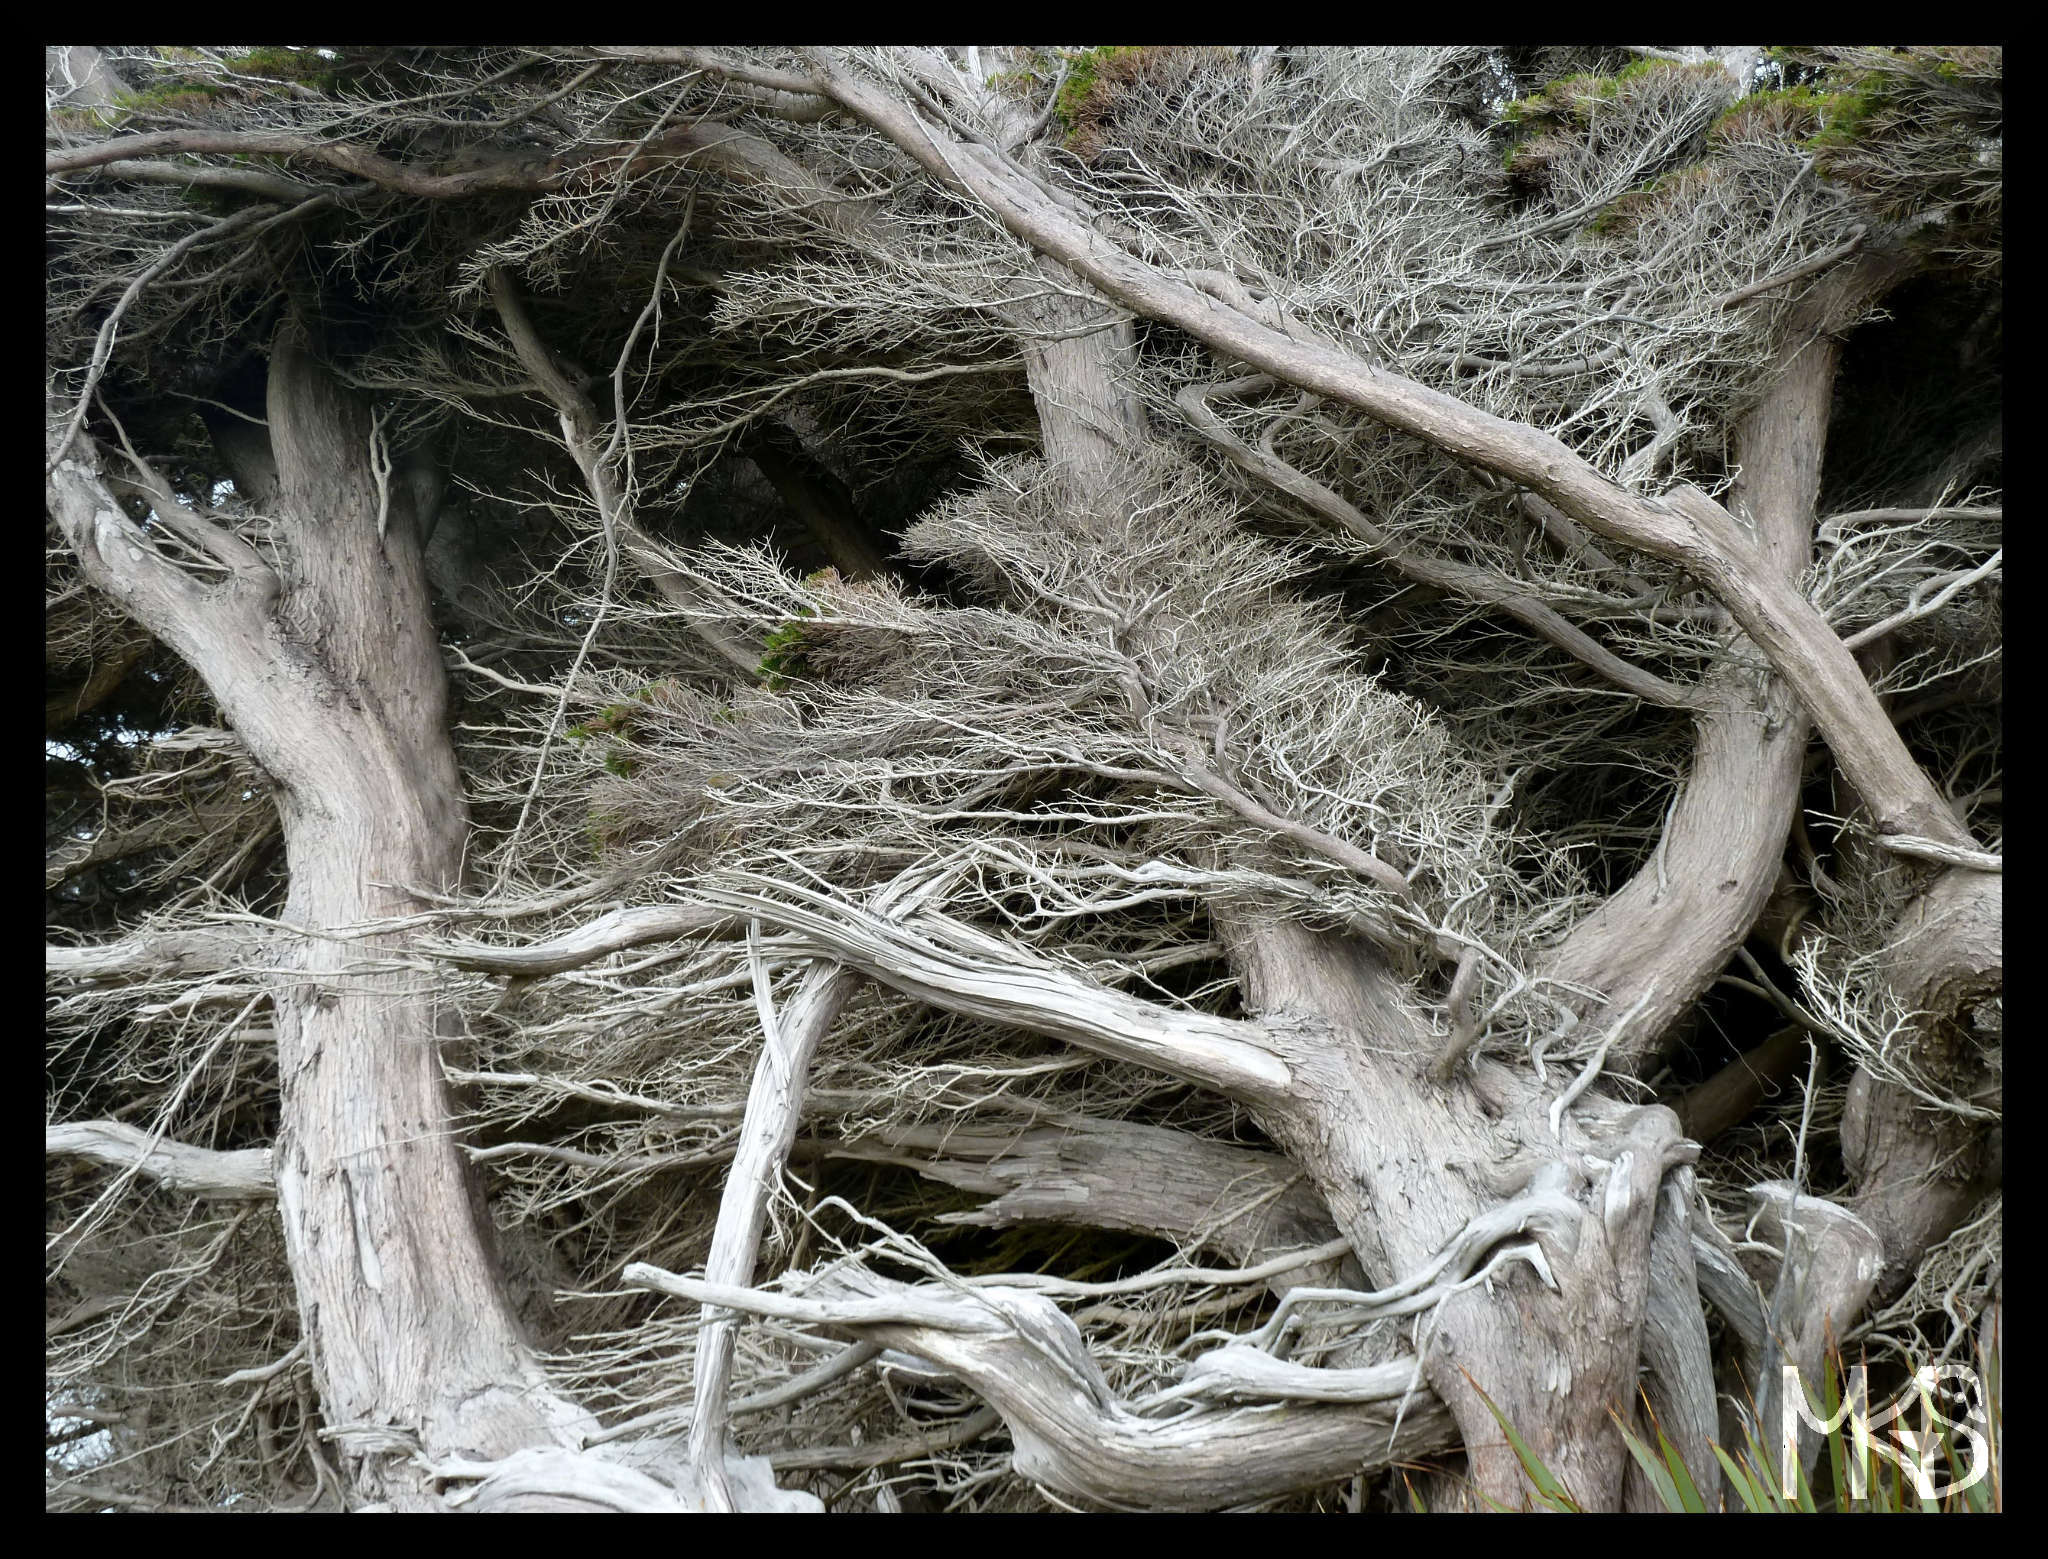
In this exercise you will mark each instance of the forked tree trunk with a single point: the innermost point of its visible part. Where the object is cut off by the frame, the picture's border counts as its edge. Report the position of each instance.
(1403, 1164)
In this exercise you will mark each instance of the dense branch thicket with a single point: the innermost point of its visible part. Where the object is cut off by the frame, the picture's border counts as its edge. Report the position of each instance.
(909, 778)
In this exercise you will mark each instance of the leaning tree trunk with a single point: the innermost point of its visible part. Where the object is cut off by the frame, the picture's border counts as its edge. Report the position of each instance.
(321, 653)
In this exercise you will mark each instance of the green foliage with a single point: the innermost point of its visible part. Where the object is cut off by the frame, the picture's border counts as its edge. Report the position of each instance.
(1549, 1492)
(179, 98)
(273, 60)
(782, 657)
(1752, 1474)
(1841, 116)
(1637, 70)
(612, 725)
(1097, 78)
(306, 66)
(1664, 1467)
(1908, 130)
(1084, 71)
(1678, 185)
(1016, 83)
(603, 829)
(1575, 98)
(1540, 124)
(1810, 115)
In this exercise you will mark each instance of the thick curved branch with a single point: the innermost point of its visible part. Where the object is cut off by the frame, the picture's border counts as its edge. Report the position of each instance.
(1667, 932)
(1025, 1358)
(241, 1174)
(1120, 1175)
(959, 970)
(1662, 937)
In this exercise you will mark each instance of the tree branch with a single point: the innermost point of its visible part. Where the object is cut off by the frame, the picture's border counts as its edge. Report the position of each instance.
(959, 970)
(239, 1175)
(610, 933)
(1122, 1175)
(1689, 529)
(1460, 579)
(774, 1106)
(153, 955)
(1025, 1358)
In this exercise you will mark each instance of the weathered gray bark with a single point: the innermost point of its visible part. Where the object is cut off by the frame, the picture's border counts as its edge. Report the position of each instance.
(1829, 1266)
(1074, 1435)
(241, 1175)
(1246, 1204)
(1678, 1360)
(1919, 1170)
(1405, 1166)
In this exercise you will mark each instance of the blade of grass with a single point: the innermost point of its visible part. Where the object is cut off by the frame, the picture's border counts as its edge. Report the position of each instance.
(1754, 1498)
(1548, 1489)
(1689, 1496)
(1654, 1470)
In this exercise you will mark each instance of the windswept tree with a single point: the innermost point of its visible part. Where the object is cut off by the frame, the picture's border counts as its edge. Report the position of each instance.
(920, 775)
